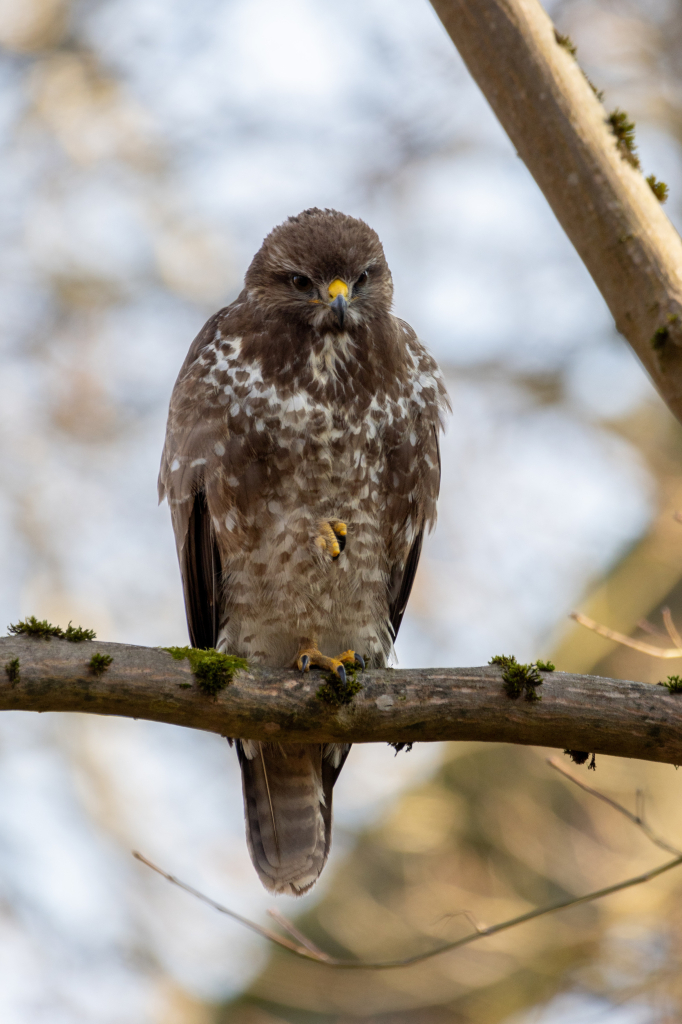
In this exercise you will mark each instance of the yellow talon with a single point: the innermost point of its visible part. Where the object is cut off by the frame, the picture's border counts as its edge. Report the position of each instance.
(309, 655)
(331, 536)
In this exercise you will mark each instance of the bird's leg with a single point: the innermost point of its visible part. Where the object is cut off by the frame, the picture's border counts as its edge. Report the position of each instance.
(309, 654)
(331, 536)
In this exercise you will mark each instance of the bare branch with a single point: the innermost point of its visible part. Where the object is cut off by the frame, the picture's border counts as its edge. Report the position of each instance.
(671, 628)
(648, 627)
(627, 641)
(606, 207)
(636, 819)
(609, 716)
(287, 925)
(310, 952)
(252, 925)
(477, 925)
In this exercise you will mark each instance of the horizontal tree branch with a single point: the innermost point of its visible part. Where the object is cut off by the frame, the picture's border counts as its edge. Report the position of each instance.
(604, 204)
(607, 716)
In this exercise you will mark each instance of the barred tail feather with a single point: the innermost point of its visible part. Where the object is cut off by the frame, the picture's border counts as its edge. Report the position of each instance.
(287, 806)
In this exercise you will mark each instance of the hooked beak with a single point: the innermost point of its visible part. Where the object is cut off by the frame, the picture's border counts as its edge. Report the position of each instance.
(338, 293)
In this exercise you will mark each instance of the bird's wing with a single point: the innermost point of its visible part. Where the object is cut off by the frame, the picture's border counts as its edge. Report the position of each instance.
(201, 576)
(404, 569)
(209, 470)
(400, 584)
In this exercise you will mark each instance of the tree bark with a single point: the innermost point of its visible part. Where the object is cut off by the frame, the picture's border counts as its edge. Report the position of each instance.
(607, 716)
(604, 204)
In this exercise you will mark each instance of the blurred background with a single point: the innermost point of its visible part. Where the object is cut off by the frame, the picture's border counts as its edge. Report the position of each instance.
(147, 148)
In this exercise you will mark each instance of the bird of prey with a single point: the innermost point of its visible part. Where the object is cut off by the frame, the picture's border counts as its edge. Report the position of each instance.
(302, 467)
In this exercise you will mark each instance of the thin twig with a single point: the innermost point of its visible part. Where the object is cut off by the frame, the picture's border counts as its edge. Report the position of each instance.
(639, 805)
(672, 630)
(265, 932)
(288, 926)
(647, 627)
(627, 641)
(531, 915)
(478, 925)
(636, 819)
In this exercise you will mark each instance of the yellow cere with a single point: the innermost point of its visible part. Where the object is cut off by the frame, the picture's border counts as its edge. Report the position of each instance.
(338, 287)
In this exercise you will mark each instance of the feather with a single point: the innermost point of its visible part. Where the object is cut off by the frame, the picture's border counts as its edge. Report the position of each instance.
(200, 566)
(401, 582)
(287, 807)
(272, 809)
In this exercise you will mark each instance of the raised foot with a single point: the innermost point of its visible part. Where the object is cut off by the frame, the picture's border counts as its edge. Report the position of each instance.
(309, 656)
(331, 536)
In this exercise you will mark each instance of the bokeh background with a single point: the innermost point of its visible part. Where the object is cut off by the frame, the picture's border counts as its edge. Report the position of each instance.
(146, 148)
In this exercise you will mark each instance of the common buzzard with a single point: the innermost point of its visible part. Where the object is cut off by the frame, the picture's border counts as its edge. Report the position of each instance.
(302, 467)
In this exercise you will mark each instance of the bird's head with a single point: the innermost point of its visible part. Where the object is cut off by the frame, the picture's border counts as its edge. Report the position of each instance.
(324, 269)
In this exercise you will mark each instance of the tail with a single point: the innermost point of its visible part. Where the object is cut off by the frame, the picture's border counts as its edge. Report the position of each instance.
(288, 810)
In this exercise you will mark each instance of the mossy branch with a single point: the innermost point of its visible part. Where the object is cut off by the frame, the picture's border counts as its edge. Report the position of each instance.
(585, 162)
(578, 713)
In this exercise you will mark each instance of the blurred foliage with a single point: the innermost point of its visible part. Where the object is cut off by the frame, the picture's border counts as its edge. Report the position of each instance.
(493, 834)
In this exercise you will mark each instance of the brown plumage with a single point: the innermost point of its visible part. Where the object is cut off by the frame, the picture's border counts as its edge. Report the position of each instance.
(297, 407)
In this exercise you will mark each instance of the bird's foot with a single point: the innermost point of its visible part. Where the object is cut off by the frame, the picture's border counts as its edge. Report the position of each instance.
(331, 536)
(309, 655)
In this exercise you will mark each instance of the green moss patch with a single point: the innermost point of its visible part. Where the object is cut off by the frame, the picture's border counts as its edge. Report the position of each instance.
(673, 684)
(76, 634)
(566, 42)
(521, 679)
(41, 628)
(659, 338)
(12, 670)
(545, 666)
(99, 663)
(661, 334)
(659, 188)
(336, 693)
(212, 670)
(624, 130)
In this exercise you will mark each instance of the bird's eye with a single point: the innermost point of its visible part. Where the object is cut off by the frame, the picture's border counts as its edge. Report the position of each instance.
(362, 279)
(301, 282)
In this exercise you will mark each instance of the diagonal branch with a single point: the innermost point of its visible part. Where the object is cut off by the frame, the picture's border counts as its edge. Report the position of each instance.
(605, 206)
(307, 951)
(636, 819)
(288, 926)
(252, 925)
